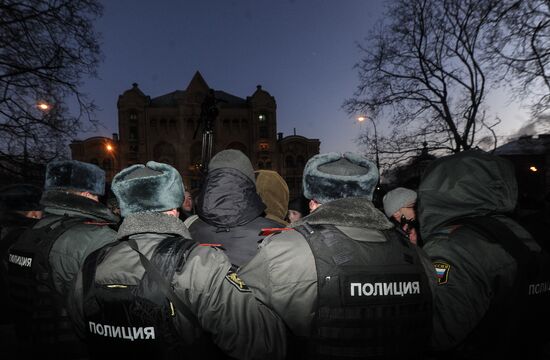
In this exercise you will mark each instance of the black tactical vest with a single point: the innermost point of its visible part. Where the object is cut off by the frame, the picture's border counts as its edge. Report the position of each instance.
(42, 323)
(374, 300)
(136, 321)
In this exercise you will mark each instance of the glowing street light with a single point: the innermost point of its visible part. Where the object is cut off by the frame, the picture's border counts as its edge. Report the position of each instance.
(109, 147)
(533, 169)
(361, 118)
(44, 106)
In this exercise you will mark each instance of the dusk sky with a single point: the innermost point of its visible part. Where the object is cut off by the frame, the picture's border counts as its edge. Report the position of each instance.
(301, 51)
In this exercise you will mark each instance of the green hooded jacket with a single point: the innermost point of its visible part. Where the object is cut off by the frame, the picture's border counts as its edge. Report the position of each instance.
(473, 273)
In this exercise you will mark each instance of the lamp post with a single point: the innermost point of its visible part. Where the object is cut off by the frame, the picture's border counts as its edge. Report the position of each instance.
(362, 118)
(111, 150)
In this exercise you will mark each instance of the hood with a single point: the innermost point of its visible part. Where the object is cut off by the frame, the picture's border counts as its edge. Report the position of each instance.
(351, 212)
(465, 184)
(228, 198)
(273, 191)
(61, 202)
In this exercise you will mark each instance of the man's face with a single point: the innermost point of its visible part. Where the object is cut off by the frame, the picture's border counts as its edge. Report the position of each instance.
(187, 202)
(294, 215)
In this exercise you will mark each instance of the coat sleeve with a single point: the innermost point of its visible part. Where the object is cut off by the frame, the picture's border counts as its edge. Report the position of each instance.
(240, 325)
(283, 276)
(75, 306)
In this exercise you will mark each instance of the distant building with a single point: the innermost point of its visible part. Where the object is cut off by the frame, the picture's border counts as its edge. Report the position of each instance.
(531, 158)
(163, 129)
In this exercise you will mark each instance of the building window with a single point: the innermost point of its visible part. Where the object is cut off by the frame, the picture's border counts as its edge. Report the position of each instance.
(153, 123)
(226, 125)
(172, 124)
(133, 130)
(289, 162)
(262, 121)
(163, 123)
(264, 146)
(300, 162)
(236, 125)
(107, 164)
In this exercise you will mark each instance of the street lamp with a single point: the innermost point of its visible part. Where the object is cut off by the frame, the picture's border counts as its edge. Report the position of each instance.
(362, 118)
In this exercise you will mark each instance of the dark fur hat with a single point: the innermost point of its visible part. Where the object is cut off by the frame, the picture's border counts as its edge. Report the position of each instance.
(154, 187)
(334, 176)
(20, 197)
(75, 175)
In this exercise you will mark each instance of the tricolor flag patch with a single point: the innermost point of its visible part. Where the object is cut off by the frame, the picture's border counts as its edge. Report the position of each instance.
(442, 272)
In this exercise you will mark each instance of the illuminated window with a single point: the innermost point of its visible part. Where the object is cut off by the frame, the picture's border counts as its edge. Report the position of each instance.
(262, 119)
(264, 146)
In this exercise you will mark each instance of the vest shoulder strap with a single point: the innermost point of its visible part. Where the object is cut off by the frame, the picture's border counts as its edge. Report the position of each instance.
(174, 248)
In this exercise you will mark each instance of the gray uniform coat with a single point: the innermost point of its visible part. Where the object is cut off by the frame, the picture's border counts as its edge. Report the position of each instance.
(283, 273)
(240, 325)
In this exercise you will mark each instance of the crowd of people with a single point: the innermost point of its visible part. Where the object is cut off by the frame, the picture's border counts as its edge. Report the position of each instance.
(239, 270)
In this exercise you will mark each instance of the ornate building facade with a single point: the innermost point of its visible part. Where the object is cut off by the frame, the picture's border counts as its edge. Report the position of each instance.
(166, 129)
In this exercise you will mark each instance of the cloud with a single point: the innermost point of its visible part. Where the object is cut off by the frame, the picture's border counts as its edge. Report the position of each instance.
(540, 125)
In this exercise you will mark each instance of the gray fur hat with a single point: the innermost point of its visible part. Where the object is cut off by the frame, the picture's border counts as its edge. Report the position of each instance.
(334, 176)
(398, 198)
(234, 159)
(154, 187)
(75, 175)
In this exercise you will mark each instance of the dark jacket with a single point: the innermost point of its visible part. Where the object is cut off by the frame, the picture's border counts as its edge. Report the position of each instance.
(283, 274)
(475, 274)
(52, 336)
(240, 325)
(230, 214)
(72, 247)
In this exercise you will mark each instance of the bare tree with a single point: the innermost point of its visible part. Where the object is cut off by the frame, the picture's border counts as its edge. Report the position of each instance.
(424, 75)
(47, 47)
(520, 39)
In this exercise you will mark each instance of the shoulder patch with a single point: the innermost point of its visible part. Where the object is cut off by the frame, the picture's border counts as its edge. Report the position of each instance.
(442, 272)
(237, 282)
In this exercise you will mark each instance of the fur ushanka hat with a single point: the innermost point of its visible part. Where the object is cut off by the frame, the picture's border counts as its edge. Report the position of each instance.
(75, 175)
(334, 176)
(154, 187)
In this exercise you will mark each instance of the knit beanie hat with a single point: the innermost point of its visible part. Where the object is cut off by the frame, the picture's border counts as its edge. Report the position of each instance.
(154, 187)
(398, 198)
(75, 175)
(334, 176)
(234, 159)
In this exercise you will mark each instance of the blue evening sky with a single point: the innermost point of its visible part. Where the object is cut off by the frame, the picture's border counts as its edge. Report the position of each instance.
(301, 51)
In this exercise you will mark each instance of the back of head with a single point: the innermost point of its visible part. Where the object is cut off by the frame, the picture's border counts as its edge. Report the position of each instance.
(154, 187)
(465, 184)
(75, 175)
(234, 159)
(332, 176)
(273, 190)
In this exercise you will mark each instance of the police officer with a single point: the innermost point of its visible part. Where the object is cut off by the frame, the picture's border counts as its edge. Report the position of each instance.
(43, 262)
(19, 210)
(157, 294)
(494, 281)
(346, 282)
